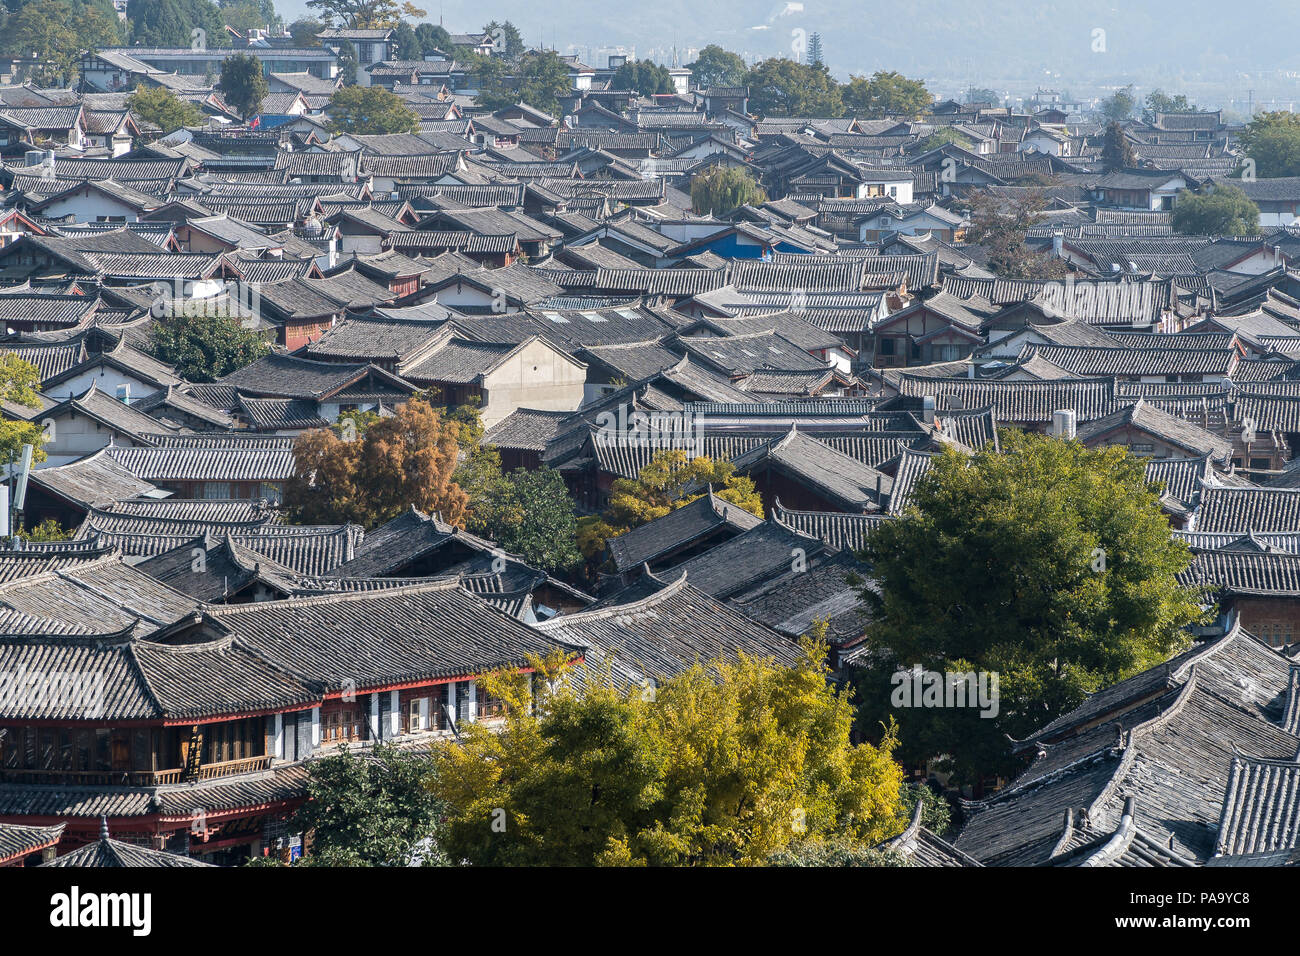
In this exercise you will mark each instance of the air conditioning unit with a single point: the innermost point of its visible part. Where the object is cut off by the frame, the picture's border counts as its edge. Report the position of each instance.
(38, 157)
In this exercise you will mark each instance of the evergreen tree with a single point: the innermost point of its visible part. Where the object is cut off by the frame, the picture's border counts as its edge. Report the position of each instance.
(815, 50)
(1116, 151)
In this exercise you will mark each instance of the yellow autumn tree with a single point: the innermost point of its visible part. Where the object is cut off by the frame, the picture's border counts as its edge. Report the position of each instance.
(670, 480)
(19, 383)
(724, 764)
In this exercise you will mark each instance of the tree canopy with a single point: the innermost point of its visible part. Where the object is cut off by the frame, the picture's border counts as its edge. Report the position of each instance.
(1001, 224)
(370, 110)
(304, 32)
(163, 108)
(1272, 144)
(1158, 101)
(538, 79)
(58, 30)
(243, 84)
(529, 512)
(371, 809)
(717, 67)
(203, 347)
(20, 383)
(1119, 106)
(783, 87)
(886, 93)
(1224, 211)
(644, 76)
(1116, 150)
(724, 764)
(1048, 564)
(507, 35)
(663, 486)
(173, 22)
(402, 461)
(359, 14)
(718, 190)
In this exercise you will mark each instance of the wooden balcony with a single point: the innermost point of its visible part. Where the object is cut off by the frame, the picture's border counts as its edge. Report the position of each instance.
(134, 778)
(229, 768)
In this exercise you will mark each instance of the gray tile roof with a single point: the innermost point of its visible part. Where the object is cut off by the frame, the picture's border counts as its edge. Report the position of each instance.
(702, 518)
(1249, 509)
(662, 634)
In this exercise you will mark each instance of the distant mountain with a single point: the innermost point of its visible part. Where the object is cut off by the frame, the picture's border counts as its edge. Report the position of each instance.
(986, 41)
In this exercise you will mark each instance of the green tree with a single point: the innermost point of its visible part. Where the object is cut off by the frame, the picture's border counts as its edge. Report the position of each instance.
(304, 32)
(644, 76)
(347, 55)
(815, 50)
(886, 94)
(782, 87)
(539, 79)
(163, 108)
(1048, 564)
(408, 45)
(834, 852)
(1271, 142)
(1119, 106)
(1158, 101)
(530, 513)
(358, 14)
(432, 37)
(1116, 151)
(717, 67)
(265, 9)
(244, 16)
(243, 84)
(204, 347)
(1225, 211)
(369, 809)
(510, 37)
(58, 30)
(718, 190)
(980, 94)
(943, 136)
(173, 22)
(725, 764)
(370, 109)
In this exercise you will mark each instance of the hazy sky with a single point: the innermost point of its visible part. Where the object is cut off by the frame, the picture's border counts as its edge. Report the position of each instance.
(1196, 46)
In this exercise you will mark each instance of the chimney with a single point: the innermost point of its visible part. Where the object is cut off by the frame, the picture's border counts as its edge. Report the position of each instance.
(927, 409)
(1063, 423)
(1058, 244)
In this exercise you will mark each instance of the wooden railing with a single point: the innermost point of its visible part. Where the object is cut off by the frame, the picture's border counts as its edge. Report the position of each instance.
(229, 768)
(134, 778)
(87, 778)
